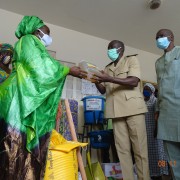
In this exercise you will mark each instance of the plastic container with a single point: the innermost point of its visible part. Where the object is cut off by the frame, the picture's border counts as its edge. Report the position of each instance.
(93, 109)
(101, 139)
(90, 69)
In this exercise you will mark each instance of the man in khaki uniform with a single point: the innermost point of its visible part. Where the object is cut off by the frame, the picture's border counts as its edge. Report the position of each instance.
(125, 105)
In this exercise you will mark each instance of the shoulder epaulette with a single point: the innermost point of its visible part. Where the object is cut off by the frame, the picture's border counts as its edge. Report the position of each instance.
(132, 55)
(109, 64)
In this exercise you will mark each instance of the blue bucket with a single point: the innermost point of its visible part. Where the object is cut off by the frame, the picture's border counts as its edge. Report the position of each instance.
(101, 139)
(93, 109)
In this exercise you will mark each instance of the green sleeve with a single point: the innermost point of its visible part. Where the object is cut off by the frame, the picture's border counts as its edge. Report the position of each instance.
(66, 70)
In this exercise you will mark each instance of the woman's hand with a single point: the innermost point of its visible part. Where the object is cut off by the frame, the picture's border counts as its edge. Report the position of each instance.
(77, 72)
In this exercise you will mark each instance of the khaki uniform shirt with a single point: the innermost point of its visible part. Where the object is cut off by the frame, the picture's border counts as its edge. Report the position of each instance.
(122, 100)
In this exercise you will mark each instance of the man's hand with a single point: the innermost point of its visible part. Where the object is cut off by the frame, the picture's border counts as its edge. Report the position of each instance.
(156, 115)
(102, 77)
(155, 131)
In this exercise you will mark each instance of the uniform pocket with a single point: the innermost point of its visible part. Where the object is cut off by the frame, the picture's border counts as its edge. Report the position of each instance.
(122, 73)
(133, 94)
(135, 98)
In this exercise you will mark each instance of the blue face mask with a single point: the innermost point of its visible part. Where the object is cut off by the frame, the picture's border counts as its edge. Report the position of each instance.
(113, 54)
(162, 43)
(146, 93)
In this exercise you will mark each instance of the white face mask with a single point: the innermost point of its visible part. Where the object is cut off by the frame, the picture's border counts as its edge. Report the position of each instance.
(46, 39)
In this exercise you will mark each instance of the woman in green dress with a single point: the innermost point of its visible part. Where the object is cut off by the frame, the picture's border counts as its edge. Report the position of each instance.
(29, 100)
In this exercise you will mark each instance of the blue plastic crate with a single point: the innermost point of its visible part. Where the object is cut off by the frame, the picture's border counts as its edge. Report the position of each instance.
(101, 139)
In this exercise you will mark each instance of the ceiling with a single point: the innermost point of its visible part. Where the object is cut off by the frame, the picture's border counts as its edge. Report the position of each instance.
(130, 21)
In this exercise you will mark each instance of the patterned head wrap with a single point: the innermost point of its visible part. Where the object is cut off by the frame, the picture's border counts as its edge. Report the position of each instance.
(150, 86)
(28, 25)
(6, 47)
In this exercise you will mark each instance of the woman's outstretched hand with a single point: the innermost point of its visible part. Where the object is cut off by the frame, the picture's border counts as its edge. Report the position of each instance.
(77, 72)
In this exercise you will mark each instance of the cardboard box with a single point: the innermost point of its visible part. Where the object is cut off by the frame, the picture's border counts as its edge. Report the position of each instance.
(112, 170)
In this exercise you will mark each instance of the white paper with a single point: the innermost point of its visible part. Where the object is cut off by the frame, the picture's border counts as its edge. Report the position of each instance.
(89, 88)
(93, 104)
